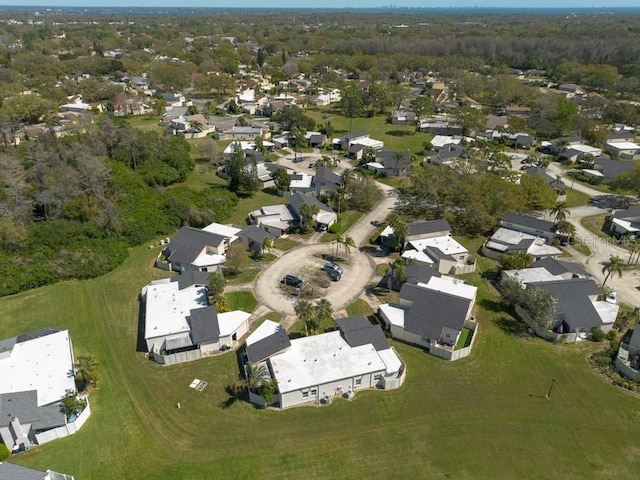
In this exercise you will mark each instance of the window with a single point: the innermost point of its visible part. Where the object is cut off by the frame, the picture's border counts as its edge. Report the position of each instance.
(358, 382)
(314, 392)
(426, 340)
(377, 378)
(305, 393)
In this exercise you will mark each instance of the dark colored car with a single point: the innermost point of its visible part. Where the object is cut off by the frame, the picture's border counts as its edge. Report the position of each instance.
(334, 275)
(292, 280)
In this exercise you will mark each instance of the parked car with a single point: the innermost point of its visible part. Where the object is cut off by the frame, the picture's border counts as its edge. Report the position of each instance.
(334, 275)
(332, 267)
(321, 227)
(292, 280)
(298, 160)
(612, 298)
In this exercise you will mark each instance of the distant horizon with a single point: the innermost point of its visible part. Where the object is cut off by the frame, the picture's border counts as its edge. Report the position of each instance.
(328, 4)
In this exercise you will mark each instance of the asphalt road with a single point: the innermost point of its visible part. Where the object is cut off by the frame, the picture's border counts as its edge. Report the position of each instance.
(306, 261)
(601, 248)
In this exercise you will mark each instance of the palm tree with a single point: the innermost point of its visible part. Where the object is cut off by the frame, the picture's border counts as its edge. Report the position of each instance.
(339, 241)
(324, 309)
(267, 245)
(256, 376)
(348, 244)
(304, 310)
(560, 211)
(400, 232)
(346, 176)
(633, 246)
(396, 269)
(613, 267)
(86, 374)
(566, 229)
(307, 212)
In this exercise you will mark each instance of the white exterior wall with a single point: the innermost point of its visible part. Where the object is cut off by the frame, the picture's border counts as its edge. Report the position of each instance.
(331, 389)
(548, 236)
(155, 344)
(449, 336)
(409, 337)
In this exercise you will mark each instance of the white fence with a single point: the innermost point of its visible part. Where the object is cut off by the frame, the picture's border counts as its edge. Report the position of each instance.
(181, 357)
(65, 430)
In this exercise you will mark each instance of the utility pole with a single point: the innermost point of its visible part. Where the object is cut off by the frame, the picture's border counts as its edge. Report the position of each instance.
(553, 381)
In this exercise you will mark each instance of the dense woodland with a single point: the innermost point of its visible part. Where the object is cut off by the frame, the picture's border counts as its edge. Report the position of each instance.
(70, 207)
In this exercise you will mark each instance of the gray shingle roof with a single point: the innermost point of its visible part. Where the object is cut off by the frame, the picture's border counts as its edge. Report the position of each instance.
(558, 267)
(189, 242)
(268, 346)
(326, 175)
(10, 471)
(388, 158)
(24, 406)
(298, 199)
(255, 234)
(420, 272)
(612, 168)
(37, 334)
(528, 221)
(204, 325)
(573, 303)
(428, 226)
(433, 310)
(635, 337)
(358, 331)
(631, 212)
(189, 278)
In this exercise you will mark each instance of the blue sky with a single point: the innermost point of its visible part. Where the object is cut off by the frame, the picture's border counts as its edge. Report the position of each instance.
(326, 3)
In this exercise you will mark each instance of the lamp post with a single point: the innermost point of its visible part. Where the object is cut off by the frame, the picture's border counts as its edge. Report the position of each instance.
(553, 381)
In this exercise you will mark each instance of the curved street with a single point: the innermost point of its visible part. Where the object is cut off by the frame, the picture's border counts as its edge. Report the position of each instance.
(601, 248)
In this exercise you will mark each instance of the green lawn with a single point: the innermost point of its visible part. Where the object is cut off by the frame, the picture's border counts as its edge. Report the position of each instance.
(594, 224)
(465, 339)
(249, 204)
(285, 244)
(576, 198)
(395, 137)
(347, 219)
(488, 407)
(242, 300)
(244, 276)
(360, 307)
(146, 122)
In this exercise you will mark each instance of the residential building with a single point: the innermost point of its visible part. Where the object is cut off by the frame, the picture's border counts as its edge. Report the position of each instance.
(325, 216)
(192, 248)
(522, 233)
(391, 164)
(403, 117)
(315, 368)
(11, 471)
(37, 372)
(625, 223)
(435, 315)
(181, 326)
(275, 219)
(628, 358)
(325, 181)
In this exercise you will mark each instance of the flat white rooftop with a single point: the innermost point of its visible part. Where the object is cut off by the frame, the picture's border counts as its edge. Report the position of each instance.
(223, 230)
(624, 145)
(511, 237)
(303, 182)
(529, 275)
(320, 359)
(206, 259)
(628, 226)
(395, 313)
(452, 286)
(418, 256)
(440, 141)
(168, 308)
(229, 322)
(43, 364)
(607, 311)
(586, 149)
(445, 243)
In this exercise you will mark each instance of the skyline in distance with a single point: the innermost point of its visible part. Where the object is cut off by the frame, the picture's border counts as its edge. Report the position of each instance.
(265, 5)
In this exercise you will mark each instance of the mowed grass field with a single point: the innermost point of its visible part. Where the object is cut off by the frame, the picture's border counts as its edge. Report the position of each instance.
(484, 417)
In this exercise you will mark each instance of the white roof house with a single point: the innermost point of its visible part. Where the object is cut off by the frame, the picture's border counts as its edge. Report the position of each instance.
(506, 240)
(42, 364)
(223, 230)
(180, 325)
(308, 369)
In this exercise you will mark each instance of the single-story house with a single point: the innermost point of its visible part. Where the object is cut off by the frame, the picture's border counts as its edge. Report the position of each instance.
(275, 219)
(301, 183)
(517, 111)
(253, 238)
(625, 222)
(242, 133)
(315, 139)
(520, 140)
(192, 248)
(37, 371)
(522, 233)
(440, 142)
(325, 181)
(440, 127)
(12, 471)
(628, 358)
(355, 143)
(435, 315)
(430, 242)
(180, 325)
(403, 117)
(451, 155)
(391, 164)
(575, 153)
(577, 306)
(556, 184)
(558, 145)
(622, 149)
(611, 168)
(325, 216)
(561, 268)
(315, 368)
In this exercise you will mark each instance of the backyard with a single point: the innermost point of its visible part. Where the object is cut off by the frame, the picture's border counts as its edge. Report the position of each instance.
(489, 407)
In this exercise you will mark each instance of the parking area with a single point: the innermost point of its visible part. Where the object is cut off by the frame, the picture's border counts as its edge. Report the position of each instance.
(306, 263)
